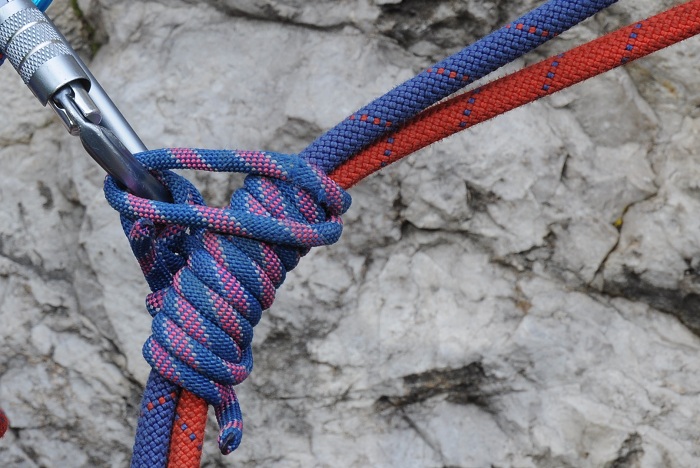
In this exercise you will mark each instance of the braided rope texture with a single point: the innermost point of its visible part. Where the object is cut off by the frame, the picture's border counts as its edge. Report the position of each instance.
(214, 270)
(447, 77)
(188, 430)
(542, 79)
(534, 82)
(155, 423)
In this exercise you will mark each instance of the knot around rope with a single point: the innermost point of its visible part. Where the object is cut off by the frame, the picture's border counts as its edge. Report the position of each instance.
(214, 270)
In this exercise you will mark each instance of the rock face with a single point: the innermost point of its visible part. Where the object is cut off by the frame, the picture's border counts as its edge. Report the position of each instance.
(525, 294)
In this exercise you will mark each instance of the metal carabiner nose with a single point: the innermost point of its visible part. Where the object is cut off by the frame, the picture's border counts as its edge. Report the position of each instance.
(56, 75)
(105, 148)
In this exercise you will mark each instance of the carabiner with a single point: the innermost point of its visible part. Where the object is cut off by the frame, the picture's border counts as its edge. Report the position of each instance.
(57, 76)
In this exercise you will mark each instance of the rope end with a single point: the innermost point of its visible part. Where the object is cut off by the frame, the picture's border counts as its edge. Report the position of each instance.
(229, 439)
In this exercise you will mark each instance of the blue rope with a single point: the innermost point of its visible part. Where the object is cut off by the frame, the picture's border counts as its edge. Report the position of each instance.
(214, 272)
(155, 422)
(447, 77)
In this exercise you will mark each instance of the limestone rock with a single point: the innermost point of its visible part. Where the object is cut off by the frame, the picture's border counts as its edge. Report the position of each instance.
(526, 293)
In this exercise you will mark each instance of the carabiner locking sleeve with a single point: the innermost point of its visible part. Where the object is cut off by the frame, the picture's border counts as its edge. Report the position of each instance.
(58, 77)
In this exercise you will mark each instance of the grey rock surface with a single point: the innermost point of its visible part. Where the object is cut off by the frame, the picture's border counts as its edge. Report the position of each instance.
(524, 294)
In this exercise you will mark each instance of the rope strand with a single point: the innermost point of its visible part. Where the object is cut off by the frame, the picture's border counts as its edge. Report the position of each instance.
(187, 438)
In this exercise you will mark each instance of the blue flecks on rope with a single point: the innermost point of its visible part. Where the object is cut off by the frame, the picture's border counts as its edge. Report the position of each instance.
(447, 77)
(214, 270)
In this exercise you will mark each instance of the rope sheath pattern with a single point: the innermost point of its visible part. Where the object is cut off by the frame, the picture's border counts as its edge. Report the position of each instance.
(214, 270)
(188, 431)
(155, 422)
(447, 77)
(527, 85)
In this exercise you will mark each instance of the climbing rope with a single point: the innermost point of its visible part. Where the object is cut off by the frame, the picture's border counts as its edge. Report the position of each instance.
(362, 128)
(188, 431)
(532, 83)
(214, 270)
(447, 77)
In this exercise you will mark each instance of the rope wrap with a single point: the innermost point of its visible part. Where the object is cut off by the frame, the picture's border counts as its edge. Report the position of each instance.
(214, 270)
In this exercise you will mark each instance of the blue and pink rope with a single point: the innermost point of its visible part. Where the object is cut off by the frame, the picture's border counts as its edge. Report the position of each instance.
(534, 82)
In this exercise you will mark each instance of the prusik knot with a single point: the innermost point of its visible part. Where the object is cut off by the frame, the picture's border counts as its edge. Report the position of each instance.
(214, 270)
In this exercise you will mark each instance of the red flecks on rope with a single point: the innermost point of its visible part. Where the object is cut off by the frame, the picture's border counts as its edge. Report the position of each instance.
(464, 111)
(4, 423)
(539, 80)
(188, 431)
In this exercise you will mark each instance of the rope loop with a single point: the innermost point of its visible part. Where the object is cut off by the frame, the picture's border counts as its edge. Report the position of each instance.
(214, 270)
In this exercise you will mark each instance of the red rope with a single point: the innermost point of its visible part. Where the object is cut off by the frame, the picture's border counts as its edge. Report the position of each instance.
(188, 431)
(527, 85)
(4, 423)
(463, 111)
